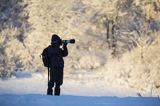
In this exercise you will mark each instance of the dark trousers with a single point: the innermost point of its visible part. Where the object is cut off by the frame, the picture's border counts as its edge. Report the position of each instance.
(56, 79)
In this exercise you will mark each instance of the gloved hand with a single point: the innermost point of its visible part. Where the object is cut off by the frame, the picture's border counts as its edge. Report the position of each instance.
(65, 44)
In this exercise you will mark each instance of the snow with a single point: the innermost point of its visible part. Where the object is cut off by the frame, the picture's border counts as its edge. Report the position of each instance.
(21, 74)
(43, 100)
(26, 89)
(36, 83)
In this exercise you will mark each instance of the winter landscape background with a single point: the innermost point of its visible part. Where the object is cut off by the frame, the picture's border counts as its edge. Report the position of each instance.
(116, 52)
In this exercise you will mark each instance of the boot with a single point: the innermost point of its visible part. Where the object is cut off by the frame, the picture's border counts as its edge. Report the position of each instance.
(50, 86)
(49, 91)
(57, 91)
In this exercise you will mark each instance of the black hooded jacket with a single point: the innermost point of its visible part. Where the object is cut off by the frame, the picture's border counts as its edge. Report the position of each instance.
(56, 54)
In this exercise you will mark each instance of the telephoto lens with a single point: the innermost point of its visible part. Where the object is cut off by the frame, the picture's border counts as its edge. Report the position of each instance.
(71, 41)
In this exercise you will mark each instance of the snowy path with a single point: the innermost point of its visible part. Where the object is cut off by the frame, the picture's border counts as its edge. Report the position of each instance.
(30, 90)
(37, 84)
(43, 100)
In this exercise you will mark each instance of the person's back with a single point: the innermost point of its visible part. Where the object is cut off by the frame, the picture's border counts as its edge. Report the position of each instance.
(56, 54)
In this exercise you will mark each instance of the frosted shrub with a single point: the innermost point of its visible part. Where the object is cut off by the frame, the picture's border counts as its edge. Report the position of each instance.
(89, 62)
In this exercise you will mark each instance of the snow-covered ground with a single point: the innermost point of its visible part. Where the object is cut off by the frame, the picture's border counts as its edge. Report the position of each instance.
(36, 83)
(43, 100)
(30, 90)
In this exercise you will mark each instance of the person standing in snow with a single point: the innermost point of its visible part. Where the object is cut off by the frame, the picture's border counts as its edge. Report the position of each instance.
(56, 54)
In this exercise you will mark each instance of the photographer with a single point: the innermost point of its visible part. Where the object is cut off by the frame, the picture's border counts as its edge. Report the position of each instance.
(56, 54)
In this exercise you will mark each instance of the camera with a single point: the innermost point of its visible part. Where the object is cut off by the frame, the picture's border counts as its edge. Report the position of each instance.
(71, 41)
